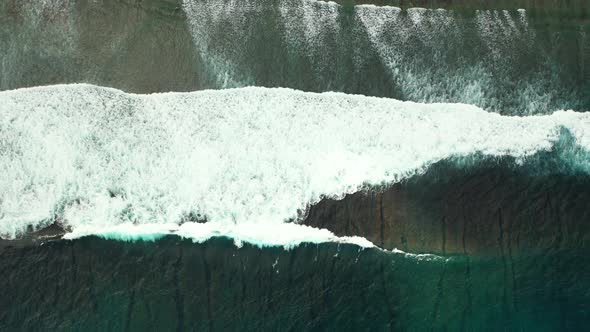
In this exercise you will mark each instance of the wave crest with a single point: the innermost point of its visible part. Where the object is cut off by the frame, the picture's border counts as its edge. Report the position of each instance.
(88, 156)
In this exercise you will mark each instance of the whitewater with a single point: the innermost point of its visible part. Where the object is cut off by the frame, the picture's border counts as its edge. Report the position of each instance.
(242, 163)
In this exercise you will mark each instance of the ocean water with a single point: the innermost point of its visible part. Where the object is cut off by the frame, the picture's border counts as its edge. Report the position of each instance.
(294, 165)
(93, 284)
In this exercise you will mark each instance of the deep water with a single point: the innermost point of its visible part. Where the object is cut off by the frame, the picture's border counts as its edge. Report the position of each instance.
(172, 284)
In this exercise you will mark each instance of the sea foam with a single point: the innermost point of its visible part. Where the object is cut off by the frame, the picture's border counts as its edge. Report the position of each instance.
(245, 160)
(286, 235)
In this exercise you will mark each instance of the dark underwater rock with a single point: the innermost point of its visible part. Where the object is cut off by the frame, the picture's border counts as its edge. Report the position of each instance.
(491, 210)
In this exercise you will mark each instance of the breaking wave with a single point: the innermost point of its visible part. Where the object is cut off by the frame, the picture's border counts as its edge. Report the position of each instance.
(245, 161)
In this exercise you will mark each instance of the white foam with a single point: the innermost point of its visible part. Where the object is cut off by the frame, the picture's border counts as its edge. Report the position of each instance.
(96, 158)
(287, 235)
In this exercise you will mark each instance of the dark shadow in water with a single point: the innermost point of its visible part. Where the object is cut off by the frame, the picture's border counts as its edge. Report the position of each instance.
(498, 207)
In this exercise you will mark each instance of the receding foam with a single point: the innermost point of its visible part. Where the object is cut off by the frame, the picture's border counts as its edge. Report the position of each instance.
(245, 159)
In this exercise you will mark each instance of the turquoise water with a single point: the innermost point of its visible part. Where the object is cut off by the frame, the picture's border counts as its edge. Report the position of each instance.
(94, 284)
